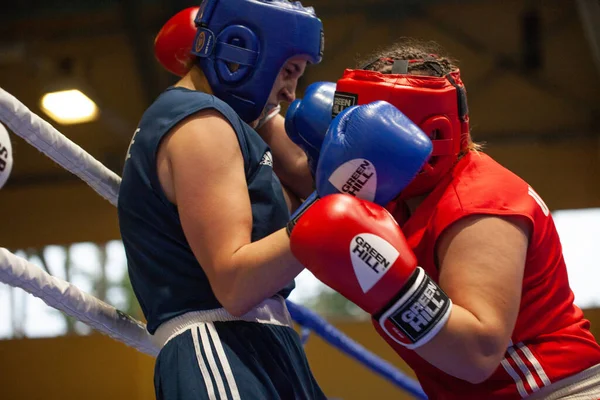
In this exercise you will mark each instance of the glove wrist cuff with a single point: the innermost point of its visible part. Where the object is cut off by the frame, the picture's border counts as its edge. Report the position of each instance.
(417, 313)
(310, 200)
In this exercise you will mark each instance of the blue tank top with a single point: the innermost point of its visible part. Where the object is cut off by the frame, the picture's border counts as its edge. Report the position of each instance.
(166, 277)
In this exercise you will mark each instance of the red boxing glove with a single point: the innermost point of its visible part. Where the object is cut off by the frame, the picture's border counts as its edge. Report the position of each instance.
(173, 43)
(357, 248)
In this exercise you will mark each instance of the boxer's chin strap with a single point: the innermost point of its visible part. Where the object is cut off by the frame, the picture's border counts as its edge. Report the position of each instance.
(269, 113)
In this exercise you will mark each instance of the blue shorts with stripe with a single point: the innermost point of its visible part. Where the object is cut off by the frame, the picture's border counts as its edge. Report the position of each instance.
(235, 360)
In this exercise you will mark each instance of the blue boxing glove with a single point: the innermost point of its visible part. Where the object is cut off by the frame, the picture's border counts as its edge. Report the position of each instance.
(372, 152)
(307, 120)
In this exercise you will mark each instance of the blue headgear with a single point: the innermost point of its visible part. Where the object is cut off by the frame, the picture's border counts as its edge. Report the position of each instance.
(259, 36)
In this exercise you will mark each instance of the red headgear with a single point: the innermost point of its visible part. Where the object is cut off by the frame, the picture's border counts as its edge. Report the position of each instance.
(438, 105)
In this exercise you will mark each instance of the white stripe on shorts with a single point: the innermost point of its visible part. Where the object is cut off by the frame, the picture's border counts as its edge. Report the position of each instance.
(536, 364)
(524, 369)
(511, 371)
(224, 362)
(211, 360)
(209, 333)
(205, 375)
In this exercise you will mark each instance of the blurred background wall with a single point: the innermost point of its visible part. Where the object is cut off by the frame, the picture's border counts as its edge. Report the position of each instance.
(532, 72)
(98, 368)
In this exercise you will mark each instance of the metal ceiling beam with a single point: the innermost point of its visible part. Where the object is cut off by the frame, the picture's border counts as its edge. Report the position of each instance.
(26, 10)
(371, 10)
(142, 49)
(23, 32)
(39, 179)
(377, 8)
(504, 62)
(589, 12)
(546, 137)
(172, 7)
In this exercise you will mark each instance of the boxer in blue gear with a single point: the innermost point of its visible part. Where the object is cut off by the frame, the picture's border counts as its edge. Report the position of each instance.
(307, 120)
(202, 213)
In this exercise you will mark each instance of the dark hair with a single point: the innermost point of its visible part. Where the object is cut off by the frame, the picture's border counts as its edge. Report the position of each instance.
(427, 58)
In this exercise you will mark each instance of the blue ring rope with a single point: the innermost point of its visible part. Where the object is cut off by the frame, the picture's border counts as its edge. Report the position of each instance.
(311, 320)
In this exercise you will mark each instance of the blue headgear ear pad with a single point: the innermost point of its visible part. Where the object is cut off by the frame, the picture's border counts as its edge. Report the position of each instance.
(239, 38)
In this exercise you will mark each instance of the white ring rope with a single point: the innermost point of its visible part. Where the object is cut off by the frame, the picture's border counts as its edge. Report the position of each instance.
(18, 272)
(44, 137)
(55, 292)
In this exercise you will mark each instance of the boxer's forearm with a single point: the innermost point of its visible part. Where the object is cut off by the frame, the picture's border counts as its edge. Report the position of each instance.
(289, 161)
(466, 347)
(255, 272)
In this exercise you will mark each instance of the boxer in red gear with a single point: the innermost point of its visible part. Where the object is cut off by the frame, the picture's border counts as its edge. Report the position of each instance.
(549, 345)
(487, 239)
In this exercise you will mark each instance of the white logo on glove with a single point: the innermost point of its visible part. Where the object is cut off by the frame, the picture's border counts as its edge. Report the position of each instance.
(371, 258)
(356, 177)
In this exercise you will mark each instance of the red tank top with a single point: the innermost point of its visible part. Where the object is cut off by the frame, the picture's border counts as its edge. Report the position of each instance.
(551, 339)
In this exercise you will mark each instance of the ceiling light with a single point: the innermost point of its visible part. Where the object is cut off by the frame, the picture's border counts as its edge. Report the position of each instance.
(69, 107)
